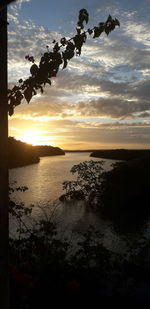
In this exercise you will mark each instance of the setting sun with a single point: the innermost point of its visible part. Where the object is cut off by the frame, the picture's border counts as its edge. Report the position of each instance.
(35, 138)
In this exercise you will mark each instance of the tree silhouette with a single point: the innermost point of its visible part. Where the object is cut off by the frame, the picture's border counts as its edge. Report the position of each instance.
(4, 301)
(41, 74)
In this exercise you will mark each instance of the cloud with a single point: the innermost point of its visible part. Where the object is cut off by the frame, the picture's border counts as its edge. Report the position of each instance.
(113, 108)
(104, 92)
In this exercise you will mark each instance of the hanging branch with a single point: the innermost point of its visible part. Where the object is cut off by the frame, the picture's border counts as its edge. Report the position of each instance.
(51, 61)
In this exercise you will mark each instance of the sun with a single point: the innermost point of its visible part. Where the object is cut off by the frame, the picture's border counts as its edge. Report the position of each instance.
(31, 137)
(35, 138)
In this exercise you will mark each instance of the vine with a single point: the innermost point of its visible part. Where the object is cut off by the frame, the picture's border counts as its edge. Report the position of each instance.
(51, 61)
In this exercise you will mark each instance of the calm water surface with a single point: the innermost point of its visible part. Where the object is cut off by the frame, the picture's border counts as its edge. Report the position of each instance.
(44, 181)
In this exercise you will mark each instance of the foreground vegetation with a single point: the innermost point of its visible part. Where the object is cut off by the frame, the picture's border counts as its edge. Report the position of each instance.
(120, 195)
(125, 194)
(45, 268)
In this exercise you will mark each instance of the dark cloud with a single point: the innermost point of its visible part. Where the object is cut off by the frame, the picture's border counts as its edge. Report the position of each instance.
(113, 108)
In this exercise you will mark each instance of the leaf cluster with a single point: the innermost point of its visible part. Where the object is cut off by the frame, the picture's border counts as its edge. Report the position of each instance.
(88, 183)
(51, 61)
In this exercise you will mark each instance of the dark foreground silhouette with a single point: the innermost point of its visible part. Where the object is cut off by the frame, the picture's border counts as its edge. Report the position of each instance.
(44, 271)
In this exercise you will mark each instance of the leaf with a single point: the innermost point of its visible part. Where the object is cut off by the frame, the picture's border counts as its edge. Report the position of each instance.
(31, 58)
(63, 41)
(28, 94)
(90, 31)
(10, 110)
(12, 101)
(78, 30)
(68, 54)
(56, 47)
(34, 70)
(41, 89)
(83, 16)
(84, 36)
(19, 95)
(46, 57)
(34, 92)
(101, 24)
(65, 63)
(48, 81)
(109, 19)
(117, 22)
(17, 101)
(80, 25)
(71, 46)
(15, 88)
(98, 31)
(107, 30)
(79, 40)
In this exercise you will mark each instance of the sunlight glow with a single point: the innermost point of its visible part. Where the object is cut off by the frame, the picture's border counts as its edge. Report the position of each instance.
(36, 138)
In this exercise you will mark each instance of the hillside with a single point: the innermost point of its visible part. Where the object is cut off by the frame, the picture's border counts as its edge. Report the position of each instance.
(48, 151)
(121, 154)
(21, 154)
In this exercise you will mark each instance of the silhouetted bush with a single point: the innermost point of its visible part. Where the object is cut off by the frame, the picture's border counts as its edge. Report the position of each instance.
(42, 272)
(120, 194)
(125, 193)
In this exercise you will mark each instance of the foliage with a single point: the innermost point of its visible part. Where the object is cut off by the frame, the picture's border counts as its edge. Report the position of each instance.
(120, 194)
(91, 251)
(51, 61)
(125, 193)
(87, 186)
(42, 272)
(44, 268)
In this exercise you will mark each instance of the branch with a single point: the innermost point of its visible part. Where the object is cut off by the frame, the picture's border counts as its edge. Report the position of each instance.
(51, 61)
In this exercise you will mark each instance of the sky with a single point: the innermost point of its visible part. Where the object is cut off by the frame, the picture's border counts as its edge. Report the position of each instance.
(101, 100)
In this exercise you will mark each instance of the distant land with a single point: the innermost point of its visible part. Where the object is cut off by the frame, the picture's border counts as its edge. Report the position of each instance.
(87, 150)
(21, 154)
(121, 154)
(48, 151)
